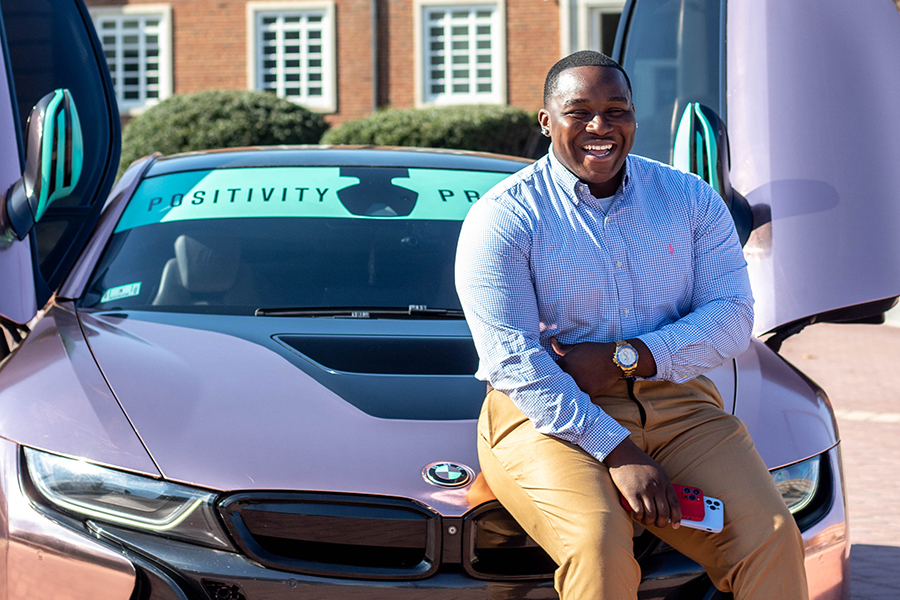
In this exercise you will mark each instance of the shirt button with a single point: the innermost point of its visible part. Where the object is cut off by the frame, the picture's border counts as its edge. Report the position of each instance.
(619, 264)
(606, 221)
(626, 311)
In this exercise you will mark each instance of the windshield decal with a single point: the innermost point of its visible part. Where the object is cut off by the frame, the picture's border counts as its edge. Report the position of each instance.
(336, 192)
(121, 291)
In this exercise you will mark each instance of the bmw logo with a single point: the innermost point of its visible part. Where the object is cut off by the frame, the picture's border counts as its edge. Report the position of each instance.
(448, 474)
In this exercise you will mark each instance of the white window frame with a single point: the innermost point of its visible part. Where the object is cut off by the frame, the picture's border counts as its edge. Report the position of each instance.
(498, 93)
(165, 70)
(579, 27)
(327, 103)
(590, 20)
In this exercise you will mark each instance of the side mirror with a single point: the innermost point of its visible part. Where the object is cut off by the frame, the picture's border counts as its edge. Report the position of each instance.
(54, 153)
(701, 147)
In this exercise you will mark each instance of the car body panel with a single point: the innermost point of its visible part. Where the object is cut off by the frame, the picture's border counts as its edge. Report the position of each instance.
(55, 398)
(789, 418)
(189, 391)
(41, 553)
(49, 45)
(827, 544)
(17, 302)
(816, 139)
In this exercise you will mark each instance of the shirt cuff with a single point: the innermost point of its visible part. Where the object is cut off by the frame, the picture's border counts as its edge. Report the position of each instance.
(661, 355)
(603, 437)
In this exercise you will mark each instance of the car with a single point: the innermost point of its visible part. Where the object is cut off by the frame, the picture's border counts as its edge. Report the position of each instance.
(244, 373)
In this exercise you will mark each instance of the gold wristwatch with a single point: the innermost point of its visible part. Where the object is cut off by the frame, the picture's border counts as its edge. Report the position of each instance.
(626, 358)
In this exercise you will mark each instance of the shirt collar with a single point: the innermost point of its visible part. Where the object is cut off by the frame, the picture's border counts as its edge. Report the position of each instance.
(568, 182)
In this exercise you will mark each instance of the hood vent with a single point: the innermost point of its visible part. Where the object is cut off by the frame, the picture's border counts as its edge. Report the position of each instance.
(387, 355)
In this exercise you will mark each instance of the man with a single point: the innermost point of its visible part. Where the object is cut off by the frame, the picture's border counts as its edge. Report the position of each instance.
(599, 287)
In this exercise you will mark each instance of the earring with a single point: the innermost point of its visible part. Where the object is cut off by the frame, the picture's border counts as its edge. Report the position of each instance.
(545, 131)
(636, 125)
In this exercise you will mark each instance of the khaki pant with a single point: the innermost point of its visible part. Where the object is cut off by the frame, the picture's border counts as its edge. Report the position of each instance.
(565, 499)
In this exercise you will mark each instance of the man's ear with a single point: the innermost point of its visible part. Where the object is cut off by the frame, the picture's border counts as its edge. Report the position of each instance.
(544, 119)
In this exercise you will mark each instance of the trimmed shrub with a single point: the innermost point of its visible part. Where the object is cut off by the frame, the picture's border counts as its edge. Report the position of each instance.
(218, 119)
(484, 128)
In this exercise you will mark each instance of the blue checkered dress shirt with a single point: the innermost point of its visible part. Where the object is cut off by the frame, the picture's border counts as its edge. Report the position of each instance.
(538, 257)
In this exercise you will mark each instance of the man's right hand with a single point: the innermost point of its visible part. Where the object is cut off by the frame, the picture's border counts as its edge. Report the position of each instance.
(644, 485)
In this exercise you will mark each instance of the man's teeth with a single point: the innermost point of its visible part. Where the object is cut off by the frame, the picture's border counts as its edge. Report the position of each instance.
(603, 148)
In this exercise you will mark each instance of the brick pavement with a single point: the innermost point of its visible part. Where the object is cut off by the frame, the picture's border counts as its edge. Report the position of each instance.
(858, 367)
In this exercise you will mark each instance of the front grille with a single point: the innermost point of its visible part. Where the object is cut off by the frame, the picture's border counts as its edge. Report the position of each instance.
(496, 547)
(336, 535)
(372, 537)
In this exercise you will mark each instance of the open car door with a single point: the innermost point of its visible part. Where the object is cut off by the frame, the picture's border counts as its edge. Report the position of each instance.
(56, 171)
(812, 182)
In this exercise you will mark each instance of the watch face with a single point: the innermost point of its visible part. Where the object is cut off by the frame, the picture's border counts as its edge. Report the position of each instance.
(627, 356)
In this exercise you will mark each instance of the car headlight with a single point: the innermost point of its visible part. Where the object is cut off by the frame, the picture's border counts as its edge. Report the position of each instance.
(798, 483)
(132, 501)
(806, 488)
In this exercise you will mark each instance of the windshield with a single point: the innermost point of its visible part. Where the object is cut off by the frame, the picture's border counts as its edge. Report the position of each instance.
(238, 241)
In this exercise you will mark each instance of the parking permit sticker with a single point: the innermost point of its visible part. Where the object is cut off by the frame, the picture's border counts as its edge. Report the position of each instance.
(335, 192)
(122, 291)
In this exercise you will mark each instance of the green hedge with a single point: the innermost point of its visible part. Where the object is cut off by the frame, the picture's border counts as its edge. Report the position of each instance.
(218, 119)
(485, 128)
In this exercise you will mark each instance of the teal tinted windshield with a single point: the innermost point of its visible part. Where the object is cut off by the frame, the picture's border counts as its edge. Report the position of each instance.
(237, 240)
(339, 192)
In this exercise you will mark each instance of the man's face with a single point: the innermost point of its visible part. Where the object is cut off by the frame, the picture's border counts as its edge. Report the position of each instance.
(591, 122)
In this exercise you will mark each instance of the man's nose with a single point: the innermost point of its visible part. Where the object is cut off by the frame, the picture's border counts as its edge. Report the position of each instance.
(597, 123)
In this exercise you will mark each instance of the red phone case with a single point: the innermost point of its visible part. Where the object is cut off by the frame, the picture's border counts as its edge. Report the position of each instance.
(690, 499)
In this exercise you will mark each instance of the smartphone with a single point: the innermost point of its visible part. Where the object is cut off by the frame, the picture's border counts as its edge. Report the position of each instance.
(697, 511)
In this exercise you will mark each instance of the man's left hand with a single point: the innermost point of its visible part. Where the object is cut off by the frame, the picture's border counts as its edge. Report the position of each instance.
(589, 364)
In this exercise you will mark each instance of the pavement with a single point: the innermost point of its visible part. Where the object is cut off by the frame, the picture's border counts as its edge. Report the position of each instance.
(858, 366)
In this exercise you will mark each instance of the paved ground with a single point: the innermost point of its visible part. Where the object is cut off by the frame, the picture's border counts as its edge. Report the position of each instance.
(859, 368)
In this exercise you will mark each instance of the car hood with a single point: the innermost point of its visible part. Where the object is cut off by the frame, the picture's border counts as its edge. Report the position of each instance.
(230, 403)
(819, 169)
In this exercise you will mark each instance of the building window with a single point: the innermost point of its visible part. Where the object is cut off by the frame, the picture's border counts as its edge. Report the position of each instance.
(293, 54)
(603, 21)
(589, 25)
(136, 42)
(463, 54)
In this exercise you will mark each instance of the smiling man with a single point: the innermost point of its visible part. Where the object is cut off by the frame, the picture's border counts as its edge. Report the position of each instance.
(599, 287)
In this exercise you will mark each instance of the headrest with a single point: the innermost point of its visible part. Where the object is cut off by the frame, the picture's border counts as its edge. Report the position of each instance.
(208, 264)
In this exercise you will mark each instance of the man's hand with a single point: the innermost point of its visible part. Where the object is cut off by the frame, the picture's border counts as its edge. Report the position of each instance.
(644, 485)
(589, 364)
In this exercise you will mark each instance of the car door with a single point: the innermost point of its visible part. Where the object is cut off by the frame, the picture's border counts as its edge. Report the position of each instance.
(808, 90)
(47, 45)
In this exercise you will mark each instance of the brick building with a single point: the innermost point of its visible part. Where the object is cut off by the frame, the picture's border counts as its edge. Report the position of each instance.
(346, 58)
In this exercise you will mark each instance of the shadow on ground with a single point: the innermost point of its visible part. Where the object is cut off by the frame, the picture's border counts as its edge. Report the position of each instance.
(874, 572)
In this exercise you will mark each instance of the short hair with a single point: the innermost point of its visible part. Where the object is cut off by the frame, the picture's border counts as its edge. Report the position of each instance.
(583, 58)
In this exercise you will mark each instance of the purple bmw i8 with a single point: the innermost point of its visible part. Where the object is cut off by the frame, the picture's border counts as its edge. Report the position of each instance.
(245, 374)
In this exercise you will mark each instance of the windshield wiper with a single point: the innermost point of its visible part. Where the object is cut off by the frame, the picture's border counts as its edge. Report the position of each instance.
(415, 311)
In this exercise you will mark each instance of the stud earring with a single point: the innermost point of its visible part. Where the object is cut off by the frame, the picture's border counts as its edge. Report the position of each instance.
(545, 131)
(636, 125)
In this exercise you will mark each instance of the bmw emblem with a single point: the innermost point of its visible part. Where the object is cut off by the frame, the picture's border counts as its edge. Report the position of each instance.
(448, 474)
